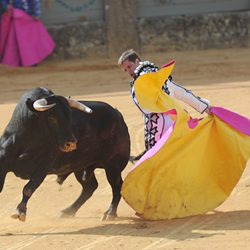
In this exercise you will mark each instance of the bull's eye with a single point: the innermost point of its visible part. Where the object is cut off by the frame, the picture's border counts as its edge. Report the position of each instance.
(52, 121)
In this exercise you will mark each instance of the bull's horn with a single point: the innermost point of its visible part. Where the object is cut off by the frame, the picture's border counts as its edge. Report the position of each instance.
(41, 105)
(78, 105)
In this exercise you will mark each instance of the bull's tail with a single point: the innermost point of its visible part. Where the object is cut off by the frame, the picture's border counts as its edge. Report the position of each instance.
(134, 158)
(120, 116)
(122, 134)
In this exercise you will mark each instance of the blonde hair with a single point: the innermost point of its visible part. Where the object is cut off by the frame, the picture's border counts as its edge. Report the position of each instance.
(130, 55)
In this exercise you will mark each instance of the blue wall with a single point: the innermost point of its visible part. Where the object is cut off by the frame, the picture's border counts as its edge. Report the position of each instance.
(64, 12)
(71, 11)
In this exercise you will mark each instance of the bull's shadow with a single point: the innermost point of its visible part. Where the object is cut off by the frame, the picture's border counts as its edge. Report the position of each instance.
(201, 226)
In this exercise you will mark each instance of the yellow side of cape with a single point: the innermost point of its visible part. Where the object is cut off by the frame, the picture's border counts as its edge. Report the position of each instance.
(149, 93)
(194, 171)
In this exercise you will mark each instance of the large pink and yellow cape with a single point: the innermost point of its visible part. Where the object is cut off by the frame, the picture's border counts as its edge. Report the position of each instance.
(194, 167)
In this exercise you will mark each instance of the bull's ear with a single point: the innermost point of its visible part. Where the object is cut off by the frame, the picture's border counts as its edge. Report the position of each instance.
(51, 99)
(29, 104)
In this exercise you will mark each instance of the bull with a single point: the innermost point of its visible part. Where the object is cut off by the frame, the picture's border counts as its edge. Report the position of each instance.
(51, 134)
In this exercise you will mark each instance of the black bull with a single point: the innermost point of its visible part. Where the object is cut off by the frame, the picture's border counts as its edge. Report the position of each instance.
(47, 136)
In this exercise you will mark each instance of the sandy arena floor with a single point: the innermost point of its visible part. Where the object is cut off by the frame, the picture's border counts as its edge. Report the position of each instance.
(223, 76)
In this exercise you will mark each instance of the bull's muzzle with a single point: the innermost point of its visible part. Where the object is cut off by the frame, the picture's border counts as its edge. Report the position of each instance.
(68, 146)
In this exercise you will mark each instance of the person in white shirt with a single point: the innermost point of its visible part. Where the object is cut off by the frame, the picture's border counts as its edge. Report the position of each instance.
(157, 123)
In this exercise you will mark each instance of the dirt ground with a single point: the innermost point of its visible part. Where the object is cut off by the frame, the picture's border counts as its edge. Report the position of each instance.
(223, 76)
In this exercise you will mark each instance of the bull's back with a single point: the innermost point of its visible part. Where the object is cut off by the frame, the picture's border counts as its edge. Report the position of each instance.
(101, 136)
(104, 120)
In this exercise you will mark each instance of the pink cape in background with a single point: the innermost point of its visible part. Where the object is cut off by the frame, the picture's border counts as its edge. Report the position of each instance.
(23, 40)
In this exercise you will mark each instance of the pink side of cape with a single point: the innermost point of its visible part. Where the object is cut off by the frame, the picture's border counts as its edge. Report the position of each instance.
(159, 144)
(239, 122)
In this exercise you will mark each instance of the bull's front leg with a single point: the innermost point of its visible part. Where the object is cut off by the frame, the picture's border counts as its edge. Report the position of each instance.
(28, 190)
(89, 184)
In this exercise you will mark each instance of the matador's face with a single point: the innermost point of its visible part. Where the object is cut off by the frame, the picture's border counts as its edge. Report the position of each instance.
(129, 66)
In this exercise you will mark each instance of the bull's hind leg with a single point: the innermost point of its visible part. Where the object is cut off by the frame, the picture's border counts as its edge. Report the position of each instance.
(89, 184)
(113, 173)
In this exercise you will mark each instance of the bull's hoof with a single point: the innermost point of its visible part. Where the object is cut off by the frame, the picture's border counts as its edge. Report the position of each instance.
(60, 180)
(67, 213)
(19, 215)
(108, 217)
